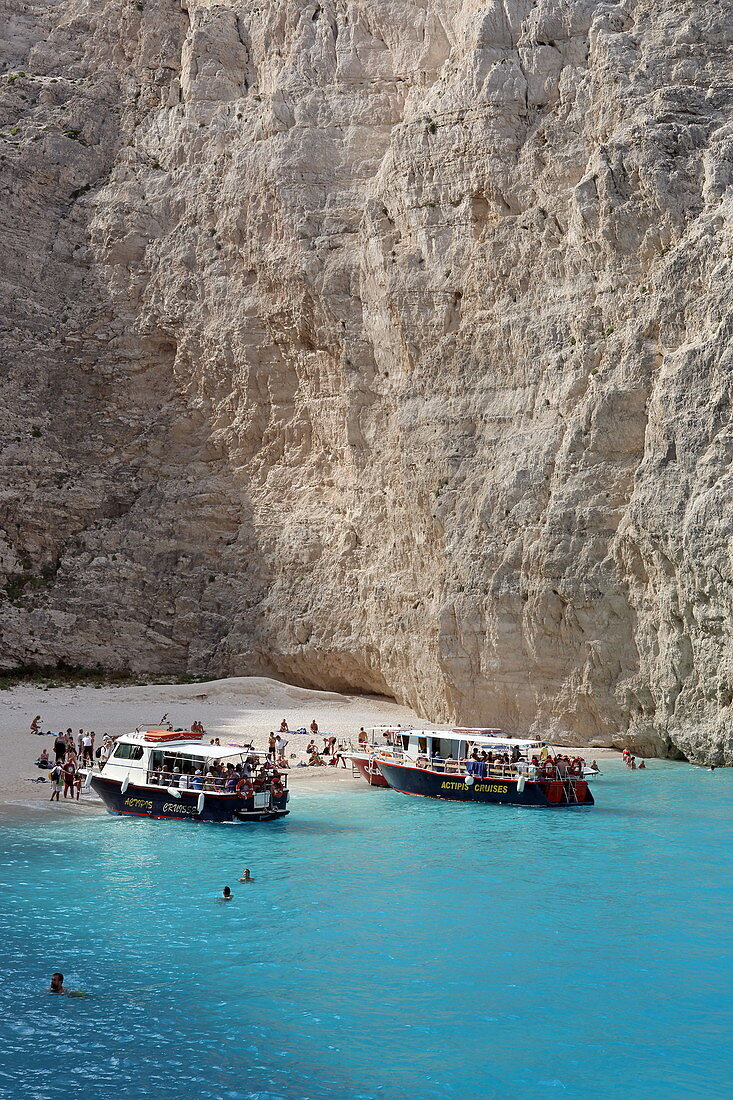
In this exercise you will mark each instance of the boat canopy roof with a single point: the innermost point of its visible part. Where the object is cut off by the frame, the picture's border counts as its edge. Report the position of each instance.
(186, 744)
(490, 737)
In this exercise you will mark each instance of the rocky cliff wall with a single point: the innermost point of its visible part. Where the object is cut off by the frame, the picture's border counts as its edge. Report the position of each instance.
(384, 345)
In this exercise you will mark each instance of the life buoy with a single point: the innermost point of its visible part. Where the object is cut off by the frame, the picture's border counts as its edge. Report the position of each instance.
(245, 788)
(549, 768)
(277, 789)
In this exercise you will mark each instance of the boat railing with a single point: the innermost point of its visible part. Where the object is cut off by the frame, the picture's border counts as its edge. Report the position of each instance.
(207, 784)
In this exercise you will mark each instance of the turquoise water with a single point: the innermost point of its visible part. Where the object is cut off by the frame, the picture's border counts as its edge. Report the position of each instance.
(391, 947)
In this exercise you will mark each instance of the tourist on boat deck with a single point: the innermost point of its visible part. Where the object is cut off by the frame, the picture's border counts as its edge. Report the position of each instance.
(197, 782)
(363, 738)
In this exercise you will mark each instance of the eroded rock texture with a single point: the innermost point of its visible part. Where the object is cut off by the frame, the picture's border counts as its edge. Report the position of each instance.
(382, 344)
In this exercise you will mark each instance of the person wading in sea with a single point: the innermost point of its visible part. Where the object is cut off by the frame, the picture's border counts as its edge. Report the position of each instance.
(57, 984)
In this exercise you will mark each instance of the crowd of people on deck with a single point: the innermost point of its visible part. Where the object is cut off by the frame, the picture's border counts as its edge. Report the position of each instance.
(245, 778)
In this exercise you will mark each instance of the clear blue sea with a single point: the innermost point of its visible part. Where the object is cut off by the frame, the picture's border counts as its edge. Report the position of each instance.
(390, 947)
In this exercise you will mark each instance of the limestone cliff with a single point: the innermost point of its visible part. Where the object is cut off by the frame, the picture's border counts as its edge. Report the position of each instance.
(382, 345)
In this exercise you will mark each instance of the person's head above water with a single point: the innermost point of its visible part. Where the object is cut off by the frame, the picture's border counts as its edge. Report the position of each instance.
(246, 877)
(226, 892)
(57, 983)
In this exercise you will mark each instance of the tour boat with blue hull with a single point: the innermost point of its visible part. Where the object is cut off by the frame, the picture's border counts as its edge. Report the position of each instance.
(477, 766)
(161, 774)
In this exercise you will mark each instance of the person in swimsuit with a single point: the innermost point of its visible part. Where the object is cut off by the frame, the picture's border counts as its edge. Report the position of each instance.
(57, 984)
(36, 724)
(246, 876)
(226, 894)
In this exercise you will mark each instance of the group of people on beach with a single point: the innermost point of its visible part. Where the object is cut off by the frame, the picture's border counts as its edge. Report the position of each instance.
(72, 754)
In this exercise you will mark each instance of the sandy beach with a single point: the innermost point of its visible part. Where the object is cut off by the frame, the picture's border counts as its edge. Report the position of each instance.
(239, 710)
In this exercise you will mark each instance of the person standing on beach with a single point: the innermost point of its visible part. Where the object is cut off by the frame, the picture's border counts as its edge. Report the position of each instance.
(69, 770)
(59, 747)
(271, 746)
(87, 748)
(57, 781)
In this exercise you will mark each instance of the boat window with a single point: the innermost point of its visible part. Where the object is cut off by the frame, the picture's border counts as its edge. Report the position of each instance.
(128, 752)
(405, 740)
(422, 744)
(443, 746)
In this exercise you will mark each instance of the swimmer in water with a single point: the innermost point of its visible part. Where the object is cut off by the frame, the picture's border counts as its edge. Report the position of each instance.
(246, 876)
(226, 894)
(57, 984)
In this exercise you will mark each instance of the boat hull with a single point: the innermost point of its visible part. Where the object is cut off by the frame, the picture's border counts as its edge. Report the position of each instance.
(553, 794)
(368, 769)
(158, 802)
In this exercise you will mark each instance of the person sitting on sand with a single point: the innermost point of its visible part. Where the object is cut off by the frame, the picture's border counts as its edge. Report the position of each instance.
(314, 727)
(311, 747)
(226, 894)
(246, 876)
(44, 760)
(315, 760)
(284, 727)
(36, 724)
(57, 984)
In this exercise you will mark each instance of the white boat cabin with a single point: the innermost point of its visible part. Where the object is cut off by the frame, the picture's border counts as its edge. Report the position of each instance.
(158, 757)
(459, 745)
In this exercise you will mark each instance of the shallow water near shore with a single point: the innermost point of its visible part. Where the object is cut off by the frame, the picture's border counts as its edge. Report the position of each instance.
(390, 947)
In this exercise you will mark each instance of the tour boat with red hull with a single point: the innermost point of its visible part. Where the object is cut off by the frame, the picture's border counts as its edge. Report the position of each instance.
(160, 774)
(471, 766)
(362, 758)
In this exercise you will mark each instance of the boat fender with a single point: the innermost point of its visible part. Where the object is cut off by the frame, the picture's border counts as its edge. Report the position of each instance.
(174, 792)
(520, 783)
(200, 803)
(87, 780)
(125, 783)
(468, 780)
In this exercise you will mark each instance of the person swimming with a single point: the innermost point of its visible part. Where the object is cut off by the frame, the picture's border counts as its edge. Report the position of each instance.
(57, 984)
(226, 894)
(246, 876)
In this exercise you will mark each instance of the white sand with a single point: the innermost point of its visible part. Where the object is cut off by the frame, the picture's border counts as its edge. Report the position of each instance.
(238, 710)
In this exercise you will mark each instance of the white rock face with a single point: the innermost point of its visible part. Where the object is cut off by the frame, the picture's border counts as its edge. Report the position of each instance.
(382, 345)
